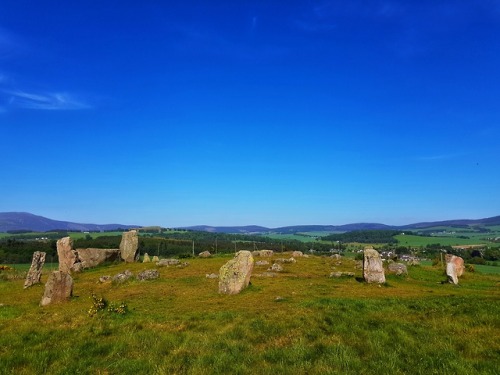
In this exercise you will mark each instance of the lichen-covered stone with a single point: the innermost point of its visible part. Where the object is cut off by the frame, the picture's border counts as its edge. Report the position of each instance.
(205, 254)
(93, 257)
(276, 267)
(129, 246)
(397, 269)
(146, 258)
(373, 270)
(234, 276)
(297, 254)
(168, 262)
(67, 256)
(148, 275)
(59, 288)
(263, 253)
(122, 277)
(285, 260)
(454, 268)
(35, 272)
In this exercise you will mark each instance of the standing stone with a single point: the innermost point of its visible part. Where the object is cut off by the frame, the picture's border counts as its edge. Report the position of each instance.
(67, 256)
(35, 272)
(155, 259)
(146, 258)
(59, 288)
(454, 268)
(129, 246)
(373, 270)
(234, 276)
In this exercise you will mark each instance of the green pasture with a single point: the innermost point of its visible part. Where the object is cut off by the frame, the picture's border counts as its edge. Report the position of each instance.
(288, 237)
(299, 322)
(411, 240)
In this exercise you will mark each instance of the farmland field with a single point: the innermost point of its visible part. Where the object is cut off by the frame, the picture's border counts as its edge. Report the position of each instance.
(411, 240)
(299, 322)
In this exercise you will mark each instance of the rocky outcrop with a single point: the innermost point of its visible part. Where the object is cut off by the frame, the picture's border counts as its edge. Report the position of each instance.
(234, 276)
(205, 254)
(129, 246)
(35, 271)
(454, 268)
(59, 288)
(373, 270)
(397, 269)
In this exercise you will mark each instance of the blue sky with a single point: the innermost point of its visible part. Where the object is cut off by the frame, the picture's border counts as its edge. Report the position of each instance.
(254, 112)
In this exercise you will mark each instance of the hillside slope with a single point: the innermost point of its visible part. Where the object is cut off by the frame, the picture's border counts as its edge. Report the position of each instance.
(13, 221)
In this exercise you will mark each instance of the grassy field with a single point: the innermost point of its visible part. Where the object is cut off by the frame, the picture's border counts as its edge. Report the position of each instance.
(410, 240)
(300, 322)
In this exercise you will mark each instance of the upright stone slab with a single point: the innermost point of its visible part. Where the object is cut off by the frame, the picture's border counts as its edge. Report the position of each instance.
(35, 272)
(373, 270)
(454, 268)
(146, 258)
(67, 256)
(129, 246)
(234, 276)
(59, 288)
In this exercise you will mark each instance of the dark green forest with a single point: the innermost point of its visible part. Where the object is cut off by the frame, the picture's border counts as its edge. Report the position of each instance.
(179, 243)
(165, 244)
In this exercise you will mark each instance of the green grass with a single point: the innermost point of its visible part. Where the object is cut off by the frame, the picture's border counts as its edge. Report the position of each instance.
(411, 240)
(179, 324)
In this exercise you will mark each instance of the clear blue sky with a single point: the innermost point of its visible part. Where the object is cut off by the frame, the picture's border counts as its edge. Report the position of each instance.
(250, 112)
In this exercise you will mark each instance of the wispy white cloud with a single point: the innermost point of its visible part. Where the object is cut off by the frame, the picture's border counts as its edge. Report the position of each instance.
(44, 100)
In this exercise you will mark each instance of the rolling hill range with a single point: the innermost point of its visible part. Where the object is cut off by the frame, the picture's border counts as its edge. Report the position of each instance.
(14, 221)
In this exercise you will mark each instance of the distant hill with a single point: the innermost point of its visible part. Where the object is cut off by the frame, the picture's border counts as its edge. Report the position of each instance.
(10, 221)
(242, 229)
(15, 221)
(346, 227)
(495, 220)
